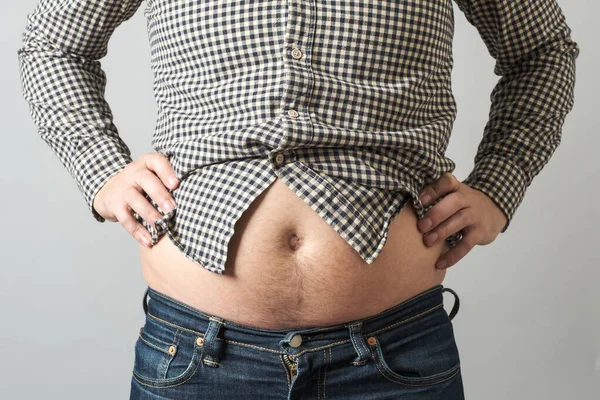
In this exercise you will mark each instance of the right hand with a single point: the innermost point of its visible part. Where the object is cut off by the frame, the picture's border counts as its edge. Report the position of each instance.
(122, 192)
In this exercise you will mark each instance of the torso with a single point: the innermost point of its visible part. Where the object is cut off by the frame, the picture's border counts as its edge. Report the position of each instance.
(286, 267)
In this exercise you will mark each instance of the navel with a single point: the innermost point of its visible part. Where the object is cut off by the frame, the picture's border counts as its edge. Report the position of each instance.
(294, 241)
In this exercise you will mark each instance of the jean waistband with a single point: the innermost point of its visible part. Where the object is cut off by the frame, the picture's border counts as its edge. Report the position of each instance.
(174, 312)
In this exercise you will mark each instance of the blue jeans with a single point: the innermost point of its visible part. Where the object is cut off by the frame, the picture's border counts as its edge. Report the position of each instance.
(405, 352)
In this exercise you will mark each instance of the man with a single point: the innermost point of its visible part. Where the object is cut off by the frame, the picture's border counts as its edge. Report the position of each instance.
(314, 212)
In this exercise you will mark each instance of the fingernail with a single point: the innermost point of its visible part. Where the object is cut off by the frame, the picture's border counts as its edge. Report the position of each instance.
(173, 180)
(146, 241)
(426, 223)
(168, 205)
(441, 264)
(432, 238)
(425, 198)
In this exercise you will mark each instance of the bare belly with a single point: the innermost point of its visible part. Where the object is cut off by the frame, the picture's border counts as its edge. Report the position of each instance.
(286, 267)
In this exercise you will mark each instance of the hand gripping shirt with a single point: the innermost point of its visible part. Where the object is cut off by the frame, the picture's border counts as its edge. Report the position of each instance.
(349, 103)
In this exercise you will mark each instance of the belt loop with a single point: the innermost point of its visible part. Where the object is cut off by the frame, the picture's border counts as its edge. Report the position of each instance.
(210, 355)
(456, 305)
(363, 353)
(144, 303)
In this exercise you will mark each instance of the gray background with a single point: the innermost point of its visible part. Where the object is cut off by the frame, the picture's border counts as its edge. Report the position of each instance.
(71, 288)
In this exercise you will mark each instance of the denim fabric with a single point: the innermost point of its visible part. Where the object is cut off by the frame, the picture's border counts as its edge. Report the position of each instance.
(405, 352)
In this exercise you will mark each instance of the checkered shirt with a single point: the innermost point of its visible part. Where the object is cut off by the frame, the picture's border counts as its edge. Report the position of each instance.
(349, 103)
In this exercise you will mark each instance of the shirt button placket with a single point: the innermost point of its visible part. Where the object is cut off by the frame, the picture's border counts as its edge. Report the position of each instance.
(297, 54)
(300, 79)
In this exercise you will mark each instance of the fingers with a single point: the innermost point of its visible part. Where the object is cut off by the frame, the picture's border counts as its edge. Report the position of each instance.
(446, 208)
(447, 183)
(453, 210)
(462, 219)
(157, 191)
(131, 225)
(140, 184)
(456, 253)
(162, 167)
(138, 202)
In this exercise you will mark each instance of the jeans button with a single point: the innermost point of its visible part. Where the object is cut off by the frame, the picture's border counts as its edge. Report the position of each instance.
(296, 341)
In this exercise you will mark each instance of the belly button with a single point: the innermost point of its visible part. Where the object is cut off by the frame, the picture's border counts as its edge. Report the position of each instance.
(294, 241)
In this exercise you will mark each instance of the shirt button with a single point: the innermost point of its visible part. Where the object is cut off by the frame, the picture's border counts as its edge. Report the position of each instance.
(293, 113)
(279, 159)
(296, 341)
(296, 53)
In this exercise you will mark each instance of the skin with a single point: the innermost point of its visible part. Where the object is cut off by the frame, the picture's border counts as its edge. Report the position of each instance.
(286, 266)
(466, 209)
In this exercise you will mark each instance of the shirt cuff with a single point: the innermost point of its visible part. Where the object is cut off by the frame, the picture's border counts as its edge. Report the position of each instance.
(95, 166)
(501, 181)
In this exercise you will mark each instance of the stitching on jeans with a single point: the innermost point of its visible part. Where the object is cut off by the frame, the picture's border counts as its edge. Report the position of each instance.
(246, 344)
(175, 325)
(166, 386)
(195, 310)
(135, 376)
(325, 376)
(209, 333)
(323, 347)
(432, 383)
(209, 361)
(169, 298)
(281, 352)
(216, 329)
(154, 346)
(404, 321)
(432, 289)
(177, 339)
(252, 345)
(304, 351)
(356, 344)
(319, 378)
(211, 329)
(422, 381)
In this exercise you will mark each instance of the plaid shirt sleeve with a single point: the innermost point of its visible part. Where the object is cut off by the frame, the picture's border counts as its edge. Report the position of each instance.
(535, 59)
(63, 83)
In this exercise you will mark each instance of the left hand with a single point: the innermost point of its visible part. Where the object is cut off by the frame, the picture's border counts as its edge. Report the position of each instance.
(464, 209)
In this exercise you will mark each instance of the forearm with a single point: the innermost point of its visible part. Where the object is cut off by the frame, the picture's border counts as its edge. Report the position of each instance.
(64, 85)
(535, 58)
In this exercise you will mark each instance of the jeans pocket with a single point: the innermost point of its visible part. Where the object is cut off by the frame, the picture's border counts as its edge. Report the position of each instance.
(165, 356)
(422, 352)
